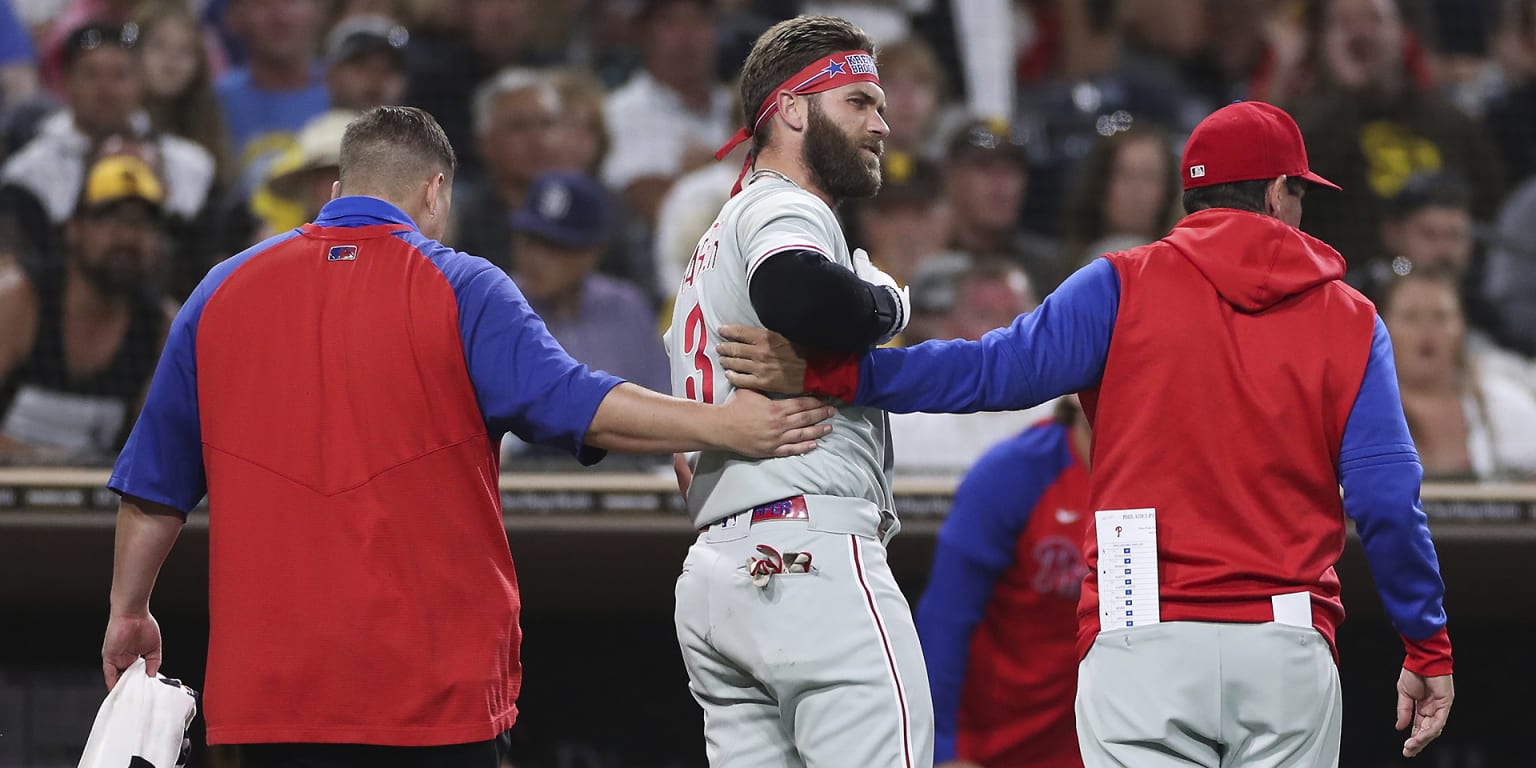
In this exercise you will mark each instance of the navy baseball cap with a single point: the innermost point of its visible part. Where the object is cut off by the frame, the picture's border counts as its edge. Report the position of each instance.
(568, 209)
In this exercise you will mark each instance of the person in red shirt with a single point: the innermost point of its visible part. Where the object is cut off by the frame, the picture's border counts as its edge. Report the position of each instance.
(1234, 383)
(998, 619)
(338, 392)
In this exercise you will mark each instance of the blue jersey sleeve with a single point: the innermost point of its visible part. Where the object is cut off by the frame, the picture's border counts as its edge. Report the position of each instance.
(1055, 350)
(976, 545)
(1380, 472)
(162, 461)
(15, 44)
(524, 380)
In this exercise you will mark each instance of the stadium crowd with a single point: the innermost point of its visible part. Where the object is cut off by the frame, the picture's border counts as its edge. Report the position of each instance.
(143, 142)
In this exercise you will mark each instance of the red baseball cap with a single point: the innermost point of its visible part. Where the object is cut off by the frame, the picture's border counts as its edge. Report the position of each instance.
(1246, 141)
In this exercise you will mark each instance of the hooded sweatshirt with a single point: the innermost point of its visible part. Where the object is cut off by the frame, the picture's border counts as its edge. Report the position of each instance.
(1234, 384)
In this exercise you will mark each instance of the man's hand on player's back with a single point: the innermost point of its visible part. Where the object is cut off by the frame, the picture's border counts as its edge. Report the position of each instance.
(759, 359)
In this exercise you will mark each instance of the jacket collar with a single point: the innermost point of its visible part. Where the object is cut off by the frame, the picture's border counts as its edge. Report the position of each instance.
(362, 211)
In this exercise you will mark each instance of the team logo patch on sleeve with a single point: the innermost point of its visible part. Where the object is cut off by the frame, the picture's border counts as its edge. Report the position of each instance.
(342, 253)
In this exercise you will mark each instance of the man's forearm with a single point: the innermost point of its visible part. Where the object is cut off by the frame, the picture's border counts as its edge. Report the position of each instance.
(145, 533)
(633, 419)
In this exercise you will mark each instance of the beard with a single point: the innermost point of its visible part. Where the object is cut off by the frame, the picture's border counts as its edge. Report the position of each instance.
(120, 273)
(835, 162)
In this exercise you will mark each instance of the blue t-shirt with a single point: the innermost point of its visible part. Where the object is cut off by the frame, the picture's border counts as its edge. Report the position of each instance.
(263, 124)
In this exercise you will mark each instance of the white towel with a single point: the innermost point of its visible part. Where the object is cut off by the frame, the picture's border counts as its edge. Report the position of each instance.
(142, 724)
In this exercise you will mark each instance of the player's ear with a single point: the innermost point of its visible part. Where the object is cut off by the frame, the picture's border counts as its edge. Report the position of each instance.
(336, 189)
(793, 109)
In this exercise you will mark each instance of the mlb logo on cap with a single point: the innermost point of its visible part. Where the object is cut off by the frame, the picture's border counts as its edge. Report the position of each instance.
(1246, 141)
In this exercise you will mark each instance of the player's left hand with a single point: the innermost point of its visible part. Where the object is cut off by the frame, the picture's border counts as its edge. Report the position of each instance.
(128, 638)
(1425, 702)
(759, 359)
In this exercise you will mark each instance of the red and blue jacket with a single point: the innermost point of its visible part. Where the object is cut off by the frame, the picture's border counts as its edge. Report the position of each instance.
(999, 617)
(1234, 384)
(338, 392)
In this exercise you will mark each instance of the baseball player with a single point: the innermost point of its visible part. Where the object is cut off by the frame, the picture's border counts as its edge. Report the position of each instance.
(798, 643)
(998, 619)
(1234, 383)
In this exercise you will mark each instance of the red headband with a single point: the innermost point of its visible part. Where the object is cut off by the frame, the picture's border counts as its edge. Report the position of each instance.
(834, 71)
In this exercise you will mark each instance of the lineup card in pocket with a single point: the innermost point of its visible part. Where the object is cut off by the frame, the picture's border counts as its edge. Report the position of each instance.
(1127, 568)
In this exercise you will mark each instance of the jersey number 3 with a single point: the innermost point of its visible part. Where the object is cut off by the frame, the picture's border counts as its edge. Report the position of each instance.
(701, 389)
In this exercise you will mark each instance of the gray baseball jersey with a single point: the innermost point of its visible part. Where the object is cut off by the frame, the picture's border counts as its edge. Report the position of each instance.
(769, 216)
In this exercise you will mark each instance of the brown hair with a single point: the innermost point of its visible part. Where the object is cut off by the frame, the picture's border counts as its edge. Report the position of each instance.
(1085, 210)
(194, 113)
(390, 146)
(577, 86)
(786, 48)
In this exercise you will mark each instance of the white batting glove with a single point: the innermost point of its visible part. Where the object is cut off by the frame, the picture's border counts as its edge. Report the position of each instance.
(869, 273)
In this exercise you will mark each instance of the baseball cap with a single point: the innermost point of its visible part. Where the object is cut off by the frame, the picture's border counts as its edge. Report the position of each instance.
(1246, 141)
(357, 35)
(116, 178)
(986, 139)
(906, 179)
(318, 146)
(568, 209)
(94, 35)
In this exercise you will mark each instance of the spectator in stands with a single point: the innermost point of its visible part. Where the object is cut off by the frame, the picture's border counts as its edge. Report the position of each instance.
(606, 323)
(517, 130)
(986, 178)
(673, 114)
(71, 16)
(955, 299)
(583, 134)
(1428, 227)
(1509, 279)
(281, 86)
(447, 68)
(1375, 124)
(83, 330)
(40, 185)
(18, 62)
(1511, 117)
(914, 98)
(306, 174)
(687, 210)
(365, 63)
(178, 86)
(1469, 421)
(908, 223)
(1126, 194)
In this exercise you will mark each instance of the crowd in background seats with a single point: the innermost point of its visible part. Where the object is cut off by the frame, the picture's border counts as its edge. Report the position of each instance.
(1028, 137)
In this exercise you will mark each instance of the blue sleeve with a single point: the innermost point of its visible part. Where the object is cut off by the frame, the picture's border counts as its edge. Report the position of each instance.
(1055, 350)
(1380, 472)
(163, 458)
(15, 44)
(976, 545)
(524, 380)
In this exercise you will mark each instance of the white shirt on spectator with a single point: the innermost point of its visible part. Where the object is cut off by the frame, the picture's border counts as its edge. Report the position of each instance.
(650, 129)
(1501, 429)
(52, 167)
(949, 443)
(687, 210)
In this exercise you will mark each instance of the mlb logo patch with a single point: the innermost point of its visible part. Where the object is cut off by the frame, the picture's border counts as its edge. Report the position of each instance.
(342, 253)
(1197, 171)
